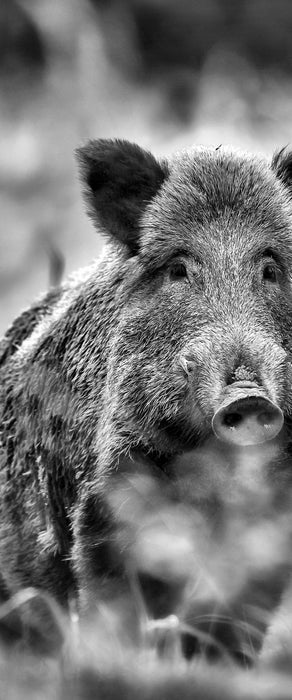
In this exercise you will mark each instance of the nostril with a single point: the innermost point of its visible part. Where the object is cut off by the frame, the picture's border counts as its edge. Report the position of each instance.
(265, 418)
(232, 420)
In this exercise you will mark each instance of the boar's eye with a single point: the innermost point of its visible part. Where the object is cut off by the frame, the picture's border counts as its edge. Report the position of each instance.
(177, 270)
(270, 272)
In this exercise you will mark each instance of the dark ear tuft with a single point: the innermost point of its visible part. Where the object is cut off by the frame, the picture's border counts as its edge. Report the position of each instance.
(120, 179)
(282, 165)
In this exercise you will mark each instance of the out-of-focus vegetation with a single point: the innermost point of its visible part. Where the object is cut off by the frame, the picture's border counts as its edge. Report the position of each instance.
(199, 642)
(162, 73)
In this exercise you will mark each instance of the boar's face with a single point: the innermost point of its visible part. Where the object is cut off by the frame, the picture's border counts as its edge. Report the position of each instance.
(204, 335)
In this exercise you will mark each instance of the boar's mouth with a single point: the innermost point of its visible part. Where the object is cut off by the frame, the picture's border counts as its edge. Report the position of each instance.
(182, 433)
(246, 416)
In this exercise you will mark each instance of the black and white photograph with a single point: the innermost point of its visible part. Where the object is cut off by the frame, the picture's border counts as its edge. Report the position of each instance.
(145, 350)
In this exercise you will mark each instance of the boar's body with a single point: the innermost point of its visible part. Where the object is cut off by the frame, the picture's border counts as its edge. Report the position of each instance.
(134, 355)
(41, 481)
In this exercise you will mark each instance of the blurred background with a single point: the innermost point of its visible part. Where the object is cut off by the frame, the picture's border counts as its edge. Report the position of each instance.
(166, 74)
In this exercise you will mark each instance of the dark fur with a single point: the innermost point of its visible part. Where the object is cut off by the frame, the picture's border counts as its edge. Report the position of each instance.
(122, 179)
(130, 358)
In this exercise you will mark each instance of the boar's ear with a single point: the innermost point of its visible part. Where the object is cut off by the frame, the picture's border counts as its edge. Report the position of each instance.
(282, 165)
(120, 179)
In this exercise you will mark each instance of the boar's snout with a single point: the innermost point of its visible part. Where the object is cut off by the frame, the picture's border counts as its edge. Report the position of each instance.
(246, 416)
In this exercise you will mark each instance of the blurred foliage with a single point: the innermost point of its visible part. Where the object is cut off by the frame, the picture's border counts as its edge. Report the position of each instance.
(167, 34)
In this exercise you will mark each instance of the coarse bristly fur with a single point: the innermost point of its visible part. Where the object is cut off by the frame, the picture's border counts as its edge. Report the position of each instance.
(114, 489)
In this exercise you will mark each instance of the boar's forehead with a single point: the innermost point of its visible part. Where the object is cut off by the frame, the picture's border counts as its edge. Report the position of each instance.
(213, 197)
